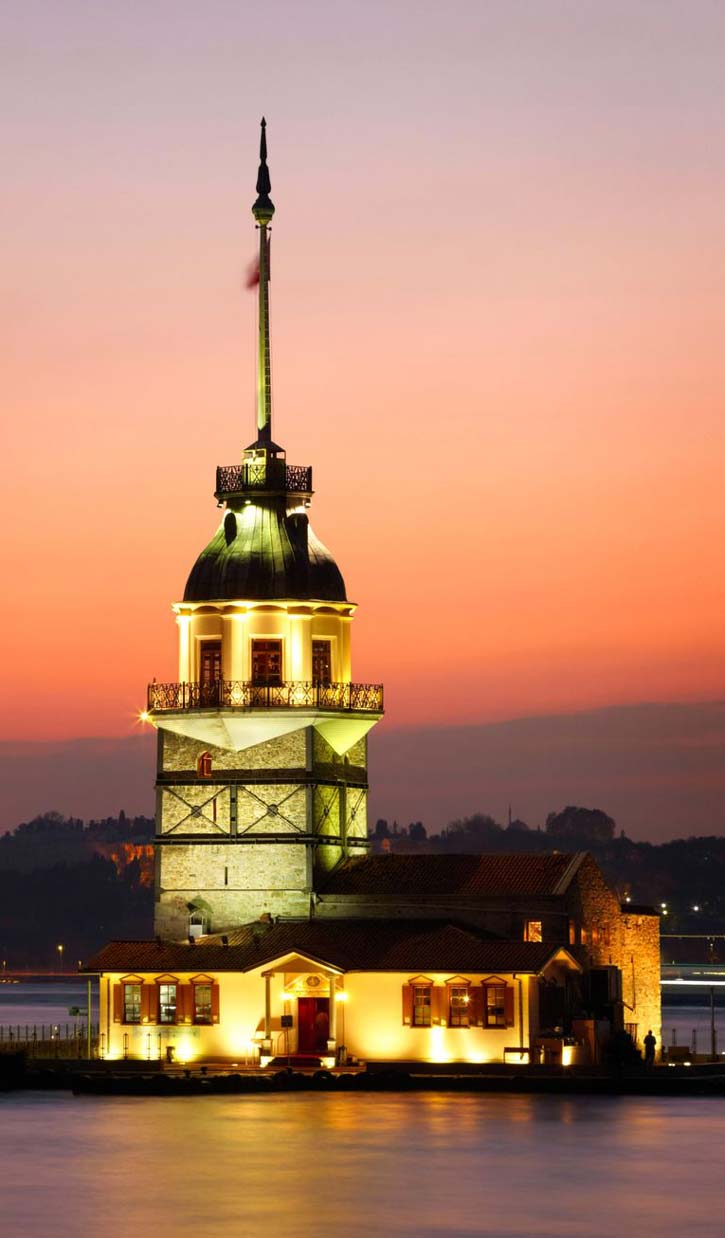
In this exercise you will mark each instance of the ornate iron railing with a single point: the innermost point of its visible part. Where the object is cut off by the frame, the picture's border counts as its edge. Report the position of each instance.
(240, 694)
(263, 475)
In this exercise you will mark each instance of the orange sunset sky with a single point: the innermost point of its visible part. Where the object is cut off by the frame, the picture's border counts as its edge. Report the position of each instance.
(498, 309)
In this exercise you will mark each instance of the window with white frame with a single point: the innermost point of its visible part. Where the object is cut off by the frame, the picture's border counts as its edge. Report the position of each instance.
(421, 1005)
(167, 1003)
(458, 1005)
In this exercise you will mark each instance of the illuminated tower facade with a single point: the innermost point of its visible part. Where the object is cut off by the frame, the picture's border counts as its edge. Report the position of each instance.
(262, 741)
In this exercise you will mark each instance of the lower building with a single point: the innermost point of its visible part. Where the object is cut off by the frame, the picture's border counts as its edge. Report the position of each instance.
(477, 959)
(398, 991)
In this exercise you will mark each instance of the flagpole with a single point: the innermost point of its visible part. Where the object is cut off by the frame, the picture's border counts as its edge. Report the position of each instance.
(263, 210)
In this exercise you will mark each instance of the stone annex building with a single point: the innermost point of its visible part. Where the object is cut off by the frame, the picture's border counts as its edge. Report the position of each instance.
(277, 931)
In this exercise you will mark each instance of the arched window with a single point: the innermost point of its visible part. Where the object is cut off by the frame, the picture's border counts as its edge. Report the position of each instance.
(203, 765)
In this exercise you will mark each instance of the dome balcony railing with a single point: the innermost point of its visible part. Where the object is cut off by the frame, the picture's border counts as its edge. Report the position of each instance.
(263, 474)
(241, 694)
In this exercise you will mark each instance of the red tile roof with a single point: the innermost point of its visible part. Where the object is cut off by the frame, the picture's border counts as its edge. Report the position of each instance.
(430, 875)
(350, 945)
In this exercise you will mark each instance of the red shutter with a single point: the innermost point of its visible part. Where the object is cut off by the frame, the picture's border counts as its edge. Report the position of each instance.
(184, 1003)
(118, 1003)
(408, 1005)
(508, 1005)
(215, 1002)
(475, 1005)
(149, 1003)
(439, 1003)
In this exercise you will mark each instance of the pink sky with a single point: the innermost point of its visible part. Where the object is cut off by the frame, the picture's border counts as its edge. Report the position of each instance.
(498, 309)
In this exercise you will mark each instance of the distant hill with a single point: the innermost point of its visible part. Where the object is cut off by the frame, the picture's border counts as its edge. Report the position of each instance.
(658, 769)
(66, 882)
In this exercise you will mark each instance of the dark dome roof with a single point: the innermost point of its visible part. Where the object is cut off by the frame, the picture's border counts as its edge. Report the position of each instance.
(263, 552)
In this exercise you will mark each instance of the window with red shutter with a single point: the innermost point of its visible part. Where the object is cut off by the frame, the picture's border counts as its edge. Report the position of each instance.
(202, 1002)
(184, 1003)
(439, 1004)
(408, 1005)
(132, 1002)
(418, 1002)
(149, 1004)
(167, 1002)
(421, 1005)
(215, 1003)
(494, 1004)
(509, 1006)
(458, 1001)
(475, 1005)
(118, 1003)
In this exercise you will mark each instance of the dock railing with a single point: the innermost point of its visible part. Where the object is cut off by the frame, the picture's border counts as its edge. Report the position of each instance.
(49, 1040)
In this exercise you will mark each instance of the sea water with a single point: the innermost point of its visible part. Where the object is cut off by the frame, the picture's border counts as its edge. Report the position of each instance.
(356, 1164)
(293, 1165)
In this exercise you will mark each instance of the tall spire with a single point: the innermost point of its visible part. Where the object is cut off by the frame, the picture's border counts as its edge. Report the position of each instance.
(263, 210)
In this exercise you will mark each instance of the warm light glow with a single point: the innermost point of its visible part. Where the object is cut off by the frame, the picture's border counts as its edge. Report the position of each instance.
(144, 716)
(437, 1042)
(341, 996)
(567, 1055)
(185, 1050)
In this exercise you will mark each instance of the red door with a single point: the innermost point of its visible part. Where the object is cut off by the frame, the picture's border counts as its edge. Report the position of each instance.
(313, 1025)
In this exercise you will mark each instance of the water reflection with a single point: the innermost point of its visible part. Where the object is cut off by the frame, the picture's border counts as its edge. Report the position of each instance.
(420, 1164)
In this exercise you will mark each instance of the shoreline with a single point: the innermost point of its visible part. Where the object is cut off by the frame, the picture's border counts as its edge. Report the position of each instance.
(147, 1079)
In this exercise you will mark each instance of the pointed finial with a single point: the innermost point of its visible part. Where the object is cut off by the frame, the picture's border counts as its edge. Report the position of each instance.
(263, 208)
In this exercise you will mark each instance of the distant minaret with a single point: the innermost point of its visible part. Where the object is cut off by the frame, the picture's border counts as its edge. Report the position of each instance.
(262, 752)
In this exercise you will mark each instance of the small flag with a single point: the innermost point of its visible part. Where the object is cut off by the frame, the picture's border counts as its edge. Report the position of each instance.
(252, 278)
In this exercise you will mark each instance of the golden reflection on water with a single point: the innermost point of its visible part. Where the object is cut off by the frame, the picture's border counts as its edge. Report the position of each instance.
(386, 1164)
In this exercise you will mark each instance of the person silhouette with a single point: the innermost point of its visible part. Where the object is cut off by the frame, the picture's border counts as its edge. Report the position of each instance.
(650, 1042)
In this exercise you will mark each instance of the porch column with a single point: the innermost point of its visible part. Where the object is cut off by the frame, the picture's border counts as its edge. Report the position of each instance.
(268, 1012)
(332, 1030)
(236, 630)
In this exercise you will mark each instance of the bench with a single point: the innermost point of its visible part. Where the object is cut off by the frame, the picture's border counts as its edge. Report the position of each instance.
(518, 1052)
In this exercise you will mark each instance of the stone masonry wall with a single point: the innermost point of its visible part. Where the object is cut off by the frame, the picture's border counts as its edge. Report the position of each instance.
(179, 752)
(239, 876)
(628, 942)
(641, 971)
(237, 883)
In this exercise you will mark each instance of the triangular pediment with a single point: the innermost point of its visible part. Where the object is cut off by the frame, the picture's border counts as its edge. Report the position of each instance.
(295, 962)
(563, 956)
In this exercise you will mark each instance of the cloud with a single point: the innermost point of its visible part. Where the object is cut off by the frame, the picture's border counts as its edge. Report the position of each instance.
(658, 769)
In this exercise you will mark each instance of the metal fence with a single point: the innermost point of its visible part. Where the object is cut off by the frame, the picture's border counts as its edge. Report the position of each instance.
(49, 1040)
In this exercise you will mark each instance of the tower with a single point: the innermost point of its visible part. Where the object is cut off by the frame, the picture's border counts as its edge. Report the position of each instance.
(262, 742)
